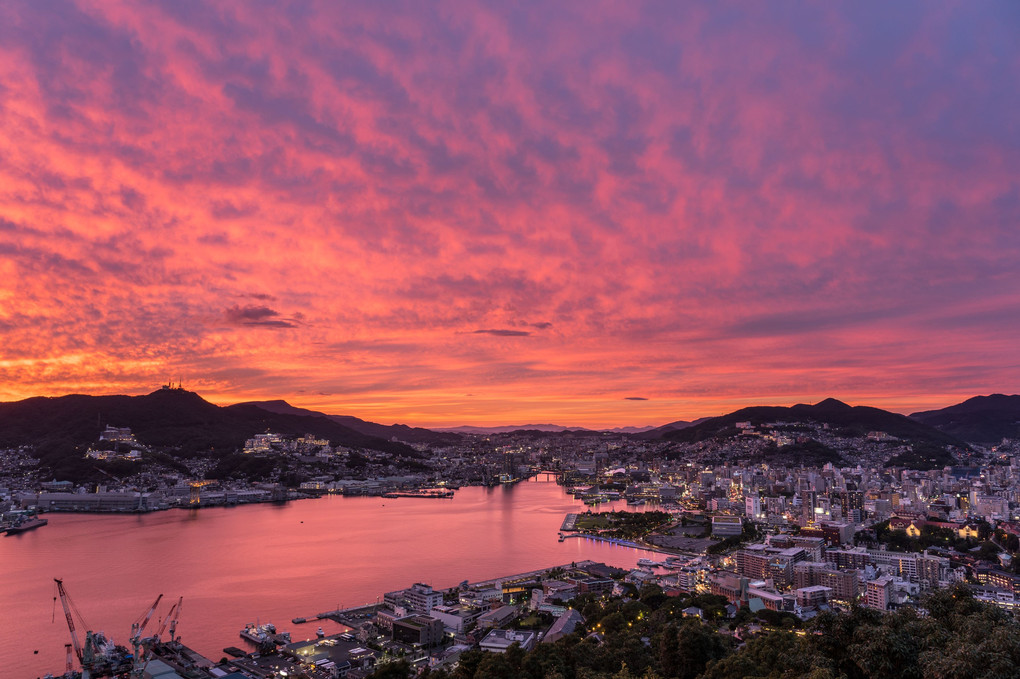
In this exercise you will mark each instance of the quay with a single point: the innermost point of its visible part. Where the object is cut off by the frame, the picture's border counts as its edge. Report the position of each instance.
(348, 616)
(628, 543)
(529, 575)
(341, 615)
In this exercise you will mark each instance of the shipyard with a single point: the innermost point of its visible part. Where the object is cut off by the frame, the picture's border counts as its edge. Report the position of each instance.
(419, 625)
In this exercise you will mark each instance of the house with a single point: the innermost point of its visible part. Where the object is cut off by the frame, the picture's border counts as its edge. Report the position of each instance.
(499, 640)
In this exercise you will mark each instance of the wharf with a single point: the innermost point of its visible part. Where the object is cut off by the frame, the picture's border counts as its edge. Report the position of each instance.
(568, 522)
(351, 616)
(634, 545)
(530, 574)
(344, 616)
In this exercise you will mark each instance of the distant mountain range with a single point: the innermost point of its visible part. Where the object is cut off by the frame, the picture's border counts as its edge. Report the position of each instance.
(551, 428)
(982, 419)
(174, 417)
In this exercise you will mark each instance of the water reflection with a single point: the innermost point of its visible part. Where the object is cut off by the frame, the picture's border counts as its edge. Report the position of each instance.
(271, 562)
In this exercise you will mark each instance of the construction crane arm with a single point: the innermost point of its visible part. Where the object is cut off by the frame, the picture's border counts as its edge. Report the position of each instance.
(171, 614)
(148, 616)
(70, 620)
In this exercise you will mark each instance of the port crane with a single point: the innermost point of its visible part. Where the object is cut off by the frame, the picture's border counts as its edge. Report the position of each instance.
(138, 627)
(70, 625)
(196, 489)
(171, 618)
(93, 656)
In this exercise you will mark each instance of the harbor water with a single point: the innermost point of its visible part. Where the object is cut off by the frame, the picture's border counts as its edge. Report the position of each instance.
(270, 563)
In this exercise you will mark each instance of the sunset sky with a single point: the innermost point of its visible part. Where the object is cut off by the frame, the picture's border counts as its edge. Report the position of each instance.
(449, 213)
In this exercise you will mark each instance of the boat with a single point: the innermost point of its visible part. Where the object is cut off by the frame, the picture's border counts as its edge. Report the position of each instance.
(258, 634)
(648, 562)
(423, 492)
(319, 633)
(26, 525)
(298, 621)
(635, 503)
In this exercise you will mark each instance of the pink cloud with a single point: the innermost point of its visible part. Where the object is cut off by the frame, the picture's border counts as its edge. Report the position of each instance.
(706, 206)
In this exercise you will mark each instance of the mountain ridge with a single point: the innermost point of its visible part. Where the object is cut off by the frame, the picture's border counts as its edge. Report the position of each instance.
(163, 418)
(400, 432)
(979, 419)
(856, 420)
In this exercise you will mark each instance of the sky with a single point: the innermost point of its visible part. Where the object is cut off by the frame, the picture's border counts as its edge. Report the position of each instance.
(442, 213)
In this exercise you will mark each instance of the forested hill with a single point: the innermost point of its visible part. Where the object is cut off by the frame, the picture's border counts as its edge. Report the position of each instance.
(982, 419)
(843, 419)
(648, 637)
(164, 418)
(400, 432)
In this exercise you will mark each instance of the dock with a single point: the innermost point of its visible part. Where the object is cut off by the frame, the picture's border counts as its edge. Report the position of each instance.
(344, 616)
(529, 575)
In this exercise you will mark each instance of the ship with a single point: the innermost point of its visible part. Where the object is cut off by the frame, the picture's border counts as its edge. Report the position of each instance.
(424, 492)
(259, 634)
(26, 525)
(648, 562)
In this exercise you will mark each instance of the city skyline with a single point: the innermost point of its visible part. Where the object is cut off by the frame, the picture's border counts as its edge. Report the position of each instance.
(611, 215)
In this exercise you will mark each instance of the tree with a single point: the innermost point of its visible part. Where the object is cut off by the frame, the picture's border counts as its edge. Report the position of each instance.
(771, 654)
(392, 670)
(697, 645)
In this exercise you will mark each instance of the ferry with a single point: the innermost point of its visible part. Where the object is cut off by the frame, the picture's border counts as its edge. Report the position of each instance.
(635, 503)
(648, 562)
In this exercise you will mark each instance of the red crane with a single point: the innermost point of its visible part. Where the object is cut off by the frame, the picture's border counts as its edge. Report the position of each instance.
(70, 620)
(175, 610)
(137, 629)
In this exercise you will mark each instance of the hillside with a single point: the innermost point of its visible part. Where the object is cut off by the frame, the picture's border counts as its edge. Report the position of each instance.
(844, 420)
(982, 419)
(400, 432)
(164, 418)
(658, 432)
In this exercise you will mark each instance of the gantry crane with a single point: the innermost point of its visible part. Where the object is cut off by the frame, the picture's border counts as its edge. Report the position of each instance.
(196, 490)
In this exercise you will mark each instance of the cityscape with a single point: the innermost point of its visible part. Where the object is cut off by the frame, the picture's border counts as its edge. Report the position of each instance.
(451, 340)
(764, 519)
